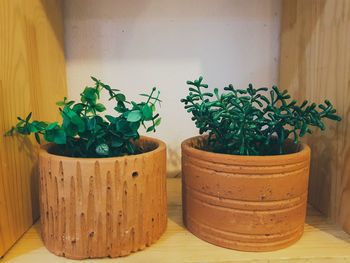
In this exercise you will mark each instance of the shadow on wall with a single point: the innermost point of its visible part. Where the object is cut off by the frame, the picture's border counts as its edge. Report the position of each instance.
(173, 161)
(26, 145)
(325, 147)
(54, 18)
(34, 190)
(314, 219)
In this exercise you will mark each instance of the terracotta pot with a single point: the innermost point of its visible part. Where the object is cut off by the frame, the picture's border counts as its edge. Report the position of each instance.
(249, 203)
(105, 206)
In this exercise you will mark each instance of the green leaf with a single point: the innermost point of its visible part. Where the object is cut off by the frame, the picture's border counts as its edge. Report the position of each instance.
(157, 121)
(66, 121)
(49, 136)
(72, 130)
(130, 147)
(60, 103)
(98, 128)
(41, 124)
(134, 126)
(101, 133)
(78, 122)
(90, 93)
(22, 130)
(122, 125)
(99, 120)
(117, 142)
(91, 124)
(303, 129)
(69, 112)
(32, 128)
(147, 112)
(120, 97)
(334, 117)
(52, 126)
(134, 116)
(216, 91)
(111, 119)
(100, 107)
(90, 142)
(151, 128)
(102, 149)
(37, 138)
(78, 108)
(60, 137)
(70, 103)
(120, 107)
(28, 117)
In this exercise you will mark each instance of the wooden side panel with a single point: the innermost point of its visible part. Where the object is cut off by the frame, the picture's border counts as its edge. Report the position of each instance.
(32, 79)
(315, 64)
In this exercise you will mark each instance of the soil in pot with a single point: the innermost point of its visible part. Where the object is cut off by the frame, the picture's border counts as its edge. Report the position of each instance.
(105, 206)
(249, 203)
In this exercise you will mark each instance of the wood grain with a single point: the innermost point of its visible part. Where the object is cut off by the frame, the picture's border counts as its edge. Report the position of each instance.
(315, 65)
(321, 242)
(32, 79)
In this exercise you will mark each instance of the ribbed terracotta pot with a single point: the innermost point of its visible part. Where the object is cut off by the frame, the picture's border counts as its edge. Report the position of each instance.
(248, 203)
(105, 206)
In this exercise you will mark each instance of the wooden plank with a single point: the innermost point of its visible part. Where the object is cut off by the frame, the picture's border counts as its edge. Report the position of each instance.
(315, 64)
(322, 242)
(32, 79)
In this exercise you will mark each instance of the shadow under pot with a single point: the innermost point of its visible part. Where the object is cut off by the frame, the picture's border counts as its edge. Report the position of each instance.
(248, 203)
(99, 207)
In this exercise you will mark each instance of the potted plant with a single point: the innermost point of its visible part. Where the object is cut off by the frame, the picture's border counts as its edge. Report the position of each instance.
(245, 182)
(102, 186)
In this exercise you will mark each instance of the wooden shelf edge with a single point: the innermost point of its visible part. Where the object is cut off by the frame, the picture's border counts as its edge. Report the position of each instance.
(321, 242)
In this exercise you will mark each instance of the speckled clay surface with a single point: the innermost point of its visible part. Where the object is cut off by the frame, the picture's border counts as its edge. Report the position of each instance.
(249, 203)
(103, 207)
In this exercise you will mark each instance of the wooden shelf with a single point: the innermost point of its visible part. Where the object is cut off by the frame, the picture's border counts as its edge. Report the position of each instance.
(322, 242)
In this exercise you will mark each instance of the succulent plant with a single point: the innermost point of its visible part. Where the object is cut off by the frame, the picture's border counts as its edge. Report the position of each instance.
(252, 121)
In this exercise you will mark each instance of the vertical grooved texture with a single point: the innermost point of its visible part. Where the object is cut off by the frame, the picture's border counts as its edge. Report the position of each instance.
(95, 208)
(249, 203)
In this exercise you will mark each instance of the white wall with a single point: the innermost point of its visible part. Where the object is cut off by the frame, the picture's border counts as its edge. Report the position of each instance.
(134, 45)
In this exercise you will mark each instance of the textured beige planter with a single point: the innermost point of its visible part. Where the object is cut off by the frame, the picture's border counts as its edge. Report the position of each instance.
(103, 207)
(249, 203)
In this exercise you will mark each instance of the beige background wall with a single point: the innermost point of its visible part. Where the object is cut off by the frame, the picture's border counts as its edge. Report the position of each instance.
(135, 45)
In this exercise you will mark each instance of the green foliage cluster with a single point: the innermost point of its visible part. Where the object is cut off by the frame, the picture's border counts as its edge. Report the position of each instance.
(84, 133)
(246, 122)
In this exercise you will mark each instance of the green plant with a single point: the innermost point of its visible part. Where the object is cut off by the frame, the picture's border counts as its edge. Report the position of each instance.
(83, 133)
(246, 122)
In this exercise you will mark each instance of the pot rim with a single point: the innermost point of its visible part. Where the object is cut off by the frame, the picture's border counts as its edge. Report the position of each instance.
(258, 160)
(160, 147)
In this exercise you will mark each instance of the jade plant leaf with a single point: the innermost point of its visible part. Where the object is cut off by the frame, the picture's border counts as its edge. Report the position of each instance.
(84, 133)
